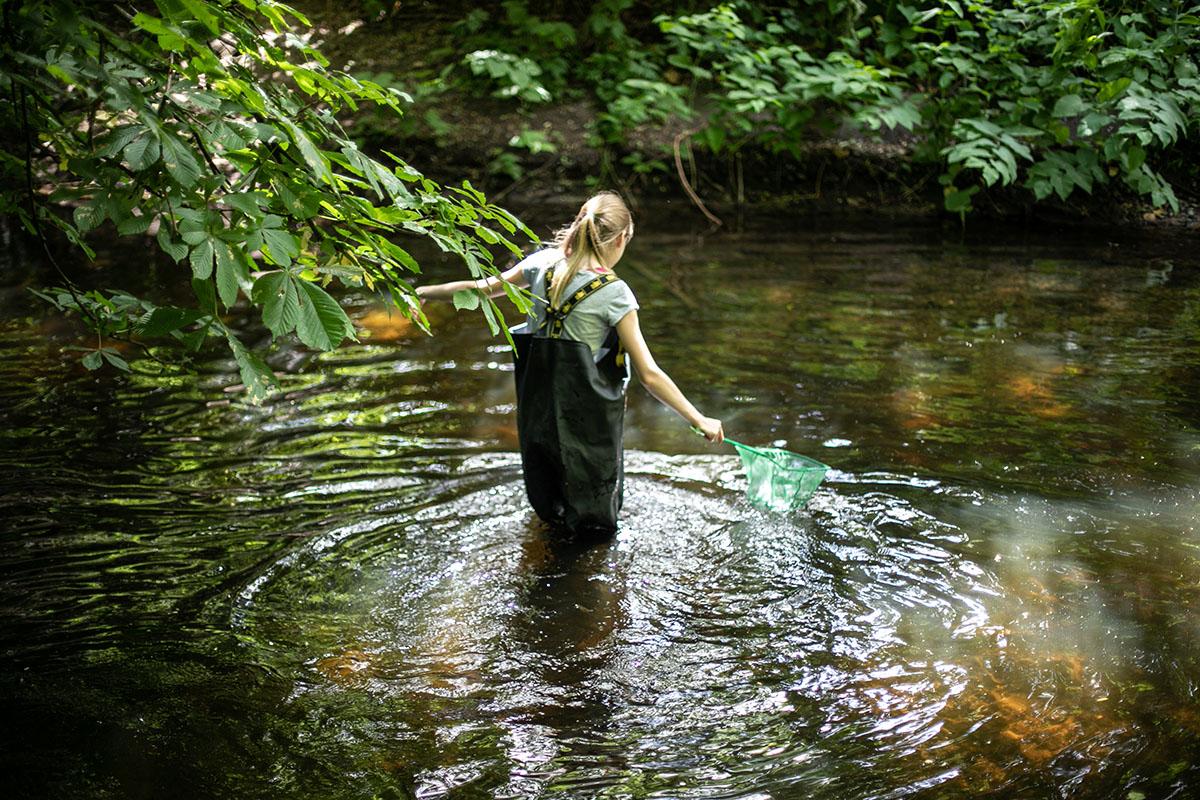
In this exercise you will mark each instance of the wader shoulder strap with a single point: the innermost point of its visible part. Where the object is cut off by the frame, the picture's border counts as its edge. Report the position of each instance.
(556, 316)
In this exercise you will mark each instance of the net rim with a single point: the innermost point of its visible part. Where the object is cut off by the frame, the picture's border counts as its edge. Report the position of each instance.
(771, 455)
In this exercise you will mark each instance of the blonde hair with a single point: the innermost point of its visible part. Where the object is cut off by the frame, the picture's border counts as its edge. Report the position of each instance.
(591, 236)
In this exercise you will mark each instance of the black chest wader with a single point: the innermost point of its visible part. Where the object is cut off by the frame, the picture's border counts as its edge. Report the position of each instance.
(570, 419)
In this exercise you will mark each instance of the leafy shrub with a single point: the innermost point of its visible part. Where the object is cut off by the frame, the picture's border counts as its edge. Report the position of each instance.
(1048, 96)
(525, 55)
(513, 76)
(765, 88)
(1075, 95)
(508, 163)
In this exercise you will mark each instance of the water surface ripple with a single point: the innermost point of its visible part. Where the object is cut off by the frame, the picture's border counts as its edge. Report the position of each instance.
(342, 592)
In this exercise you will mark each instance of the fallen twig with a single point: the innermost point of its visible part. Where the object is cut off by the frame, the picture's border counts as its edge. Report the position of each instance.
(687, 187)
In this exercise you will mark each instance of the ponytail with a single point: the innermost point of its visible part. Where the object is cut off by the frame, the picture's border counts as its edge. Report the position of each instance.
(601, 220)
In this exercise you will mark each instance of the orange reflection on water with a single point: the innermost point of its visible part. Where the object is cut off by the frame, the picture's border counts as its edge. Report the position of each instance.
(347, 668)
(386, 324)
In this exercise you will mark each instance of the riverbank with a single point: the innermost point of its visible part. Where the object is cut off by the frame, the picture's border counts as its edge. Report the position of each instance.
(531, 154)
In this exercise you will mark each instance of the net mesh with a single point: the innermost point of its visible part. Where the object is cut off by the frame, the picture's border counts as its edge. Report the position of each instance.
(780, 480)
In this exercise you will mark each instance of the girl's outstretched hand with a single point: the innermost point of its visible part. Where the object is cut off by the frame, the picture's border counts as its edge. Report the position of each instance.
(712, 429)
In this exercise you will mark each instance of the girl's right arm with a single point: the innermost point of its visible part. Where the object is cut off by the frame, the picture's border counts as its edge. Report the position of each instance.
(659, 383)
(491, 285)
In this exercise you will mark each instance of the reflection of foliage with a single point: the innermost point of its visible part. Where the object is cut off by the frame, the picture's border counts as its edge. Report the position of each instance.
(1188, 322)
(213, 125)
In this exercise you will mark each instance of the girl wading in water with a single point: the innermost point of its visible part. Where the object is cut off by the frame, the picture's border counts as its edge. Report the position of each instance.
(571, 368)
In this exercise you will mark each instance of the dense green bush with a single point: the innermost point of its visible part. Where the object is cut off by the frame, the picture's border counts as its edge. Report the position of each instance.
(1052, 96)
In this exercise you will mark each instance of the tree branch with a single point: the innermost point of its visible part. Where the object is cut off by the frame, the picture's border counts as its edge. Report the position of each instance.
(33, 214)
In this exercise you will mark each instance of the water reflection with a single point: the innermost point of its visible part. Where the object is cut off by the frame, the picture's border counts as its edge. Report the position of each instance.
(343, 594)
(561, 635)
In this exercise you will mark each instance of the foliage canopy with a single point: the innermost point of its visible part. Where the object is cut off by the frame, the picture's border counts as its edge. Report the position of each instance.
(214, 125)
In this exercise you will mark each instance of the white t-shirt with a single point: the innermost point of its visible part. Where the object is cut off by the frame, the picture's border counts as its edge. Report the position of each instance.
(591, 320)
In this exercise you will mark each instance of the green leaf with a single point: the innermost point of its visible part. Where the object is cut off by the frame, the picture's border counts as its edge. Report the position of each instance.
(152, 25)
(312, 156)
(114, 359)
(172, 42)
(399, 253)
(88, 217)
(202, 259)
(1135, 157)
(142, 153)
(92, 360)
(200, 11)
(165, 319)
(322, 324)
(1093, 123)
(1112, 89)
(518, 297)
(256, 375)
(180, 161)
(303, 205)
(959, 200)
(192, 225)
(231, 272)
(492, 314)
(348, 274)
(176, 250)
(277, 294)
(206, 295)
(194, 339)
(1070, 105)
(60, 73)
(133, 225)
(280, 246)
(246, 202)
(466, 299)
(119, 139)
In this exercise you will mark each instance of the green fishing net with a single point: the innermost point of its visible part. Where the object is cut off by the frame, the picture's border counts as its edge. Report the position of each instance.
(780, 480)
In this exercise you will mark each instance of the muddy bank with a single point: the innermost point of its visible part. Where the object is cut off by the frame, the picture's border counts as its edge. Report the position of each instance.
(530, 154)
(829, 176)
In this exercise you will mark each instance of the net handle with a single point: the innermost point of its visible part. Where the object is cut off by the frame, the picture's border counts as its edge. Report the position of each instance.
(727, 440)
(699, 432)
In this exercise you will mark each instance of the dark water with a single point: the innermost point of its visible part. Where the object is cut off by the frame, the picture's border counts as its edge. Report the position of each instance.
(342, 594)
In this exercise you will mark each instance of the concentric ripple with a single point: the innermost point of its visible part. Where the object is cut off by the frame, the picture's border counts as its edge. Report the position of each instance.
(342, 593)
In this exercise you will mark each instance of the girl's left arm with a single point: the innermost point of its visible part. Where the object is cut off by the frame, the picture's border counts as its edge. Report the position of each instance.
(492, 285)
(659, 383)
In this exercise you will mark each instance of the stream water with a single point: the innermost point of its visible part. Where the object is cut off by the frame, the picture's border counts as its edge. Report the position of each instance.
(341, 593)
